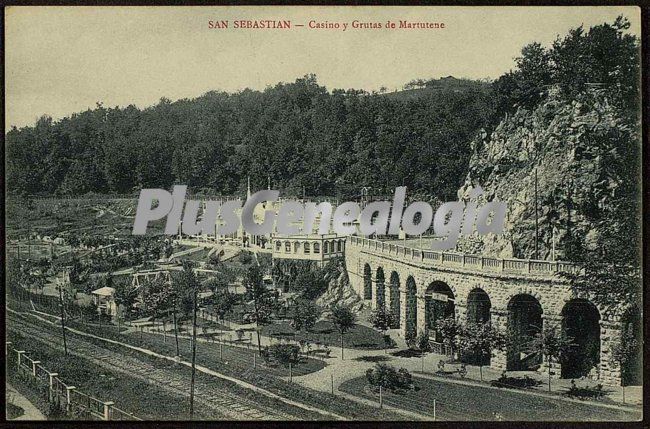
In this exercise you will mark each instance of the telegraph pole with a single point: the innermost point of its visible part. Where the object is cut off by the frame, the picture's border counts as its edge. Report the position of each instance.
(65, 344)
(536, 220)
(194, 292)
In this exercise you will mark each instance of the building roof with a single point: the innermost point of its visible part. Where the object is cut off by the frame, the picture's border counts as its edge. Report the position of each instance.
(104, 291)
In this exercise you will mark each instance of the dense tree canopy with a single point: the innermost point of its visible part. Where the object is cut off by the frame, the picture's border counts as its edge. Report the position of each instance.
(300, 135)
(307, 139)
(604, 55)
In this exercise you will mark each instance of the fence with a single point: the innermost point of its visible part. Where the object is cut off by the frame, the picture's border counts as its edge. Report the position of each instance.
(464, 261)
(320, 351)
(65, 398)
(441, 349)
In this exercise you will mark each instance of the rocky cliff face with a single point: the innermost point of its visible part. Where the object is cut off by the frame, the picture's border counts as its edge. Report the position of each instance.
(339, 291)
(567, 148)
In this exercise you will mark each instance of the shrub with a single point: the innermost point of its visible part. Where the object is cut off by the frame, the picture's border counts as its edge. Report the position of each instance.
(591, 392)
(515, 382)
(382, 319)
(410, 339)
(422, 342)
(389, 342)
(284, 353)
(388, 377)
(245, 258)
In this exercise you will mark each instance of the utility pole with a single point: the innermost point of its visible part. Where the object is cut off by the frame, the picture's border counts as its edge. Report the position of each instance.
(194, 299)
(65, 344)
(193, 351)
(536, 220)
(568, 252)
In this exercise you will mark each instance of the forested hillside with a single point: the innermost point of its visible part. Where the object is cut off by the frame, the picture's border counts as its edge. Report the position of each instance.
(309, 139)
(300, 135)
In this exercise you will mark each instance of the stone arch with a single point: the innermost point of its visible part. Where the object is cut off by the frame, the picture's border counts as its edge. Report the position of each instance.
(394, 298)
(367, 282)
(296, 246)
(339, 246)
(411, 315)
(380, 281)
(307, 249)
(326, 247)
(278, 245)
(581, 325)
(524, 324)
(287, 247)
(505, 300)
(316, 247)
(478, 306)
(439, 304)
(478, 312)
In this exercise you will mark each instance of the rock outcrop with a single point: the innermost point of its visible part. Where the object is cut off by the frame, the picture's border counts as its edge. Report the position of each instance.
(339, 291)
(560, 155)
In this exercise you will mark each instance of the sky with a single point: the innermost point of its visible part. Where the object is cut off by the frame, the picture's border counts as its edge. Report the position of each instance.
(61, 60)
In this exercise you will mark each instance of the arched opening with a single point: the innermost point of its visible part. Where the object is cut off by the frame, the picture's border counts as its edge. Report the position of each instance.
(581, 325)
(316, 247)
(632, 373)
(339, 246)
(394, 298)
(411, 307)
(367, 282)
(524, 324)
(278, 244)
(287, 247)
(326, 247)
(307, 248)
(380, 282)
(478, 312)
(439, 305)
(296, 246)
(478, 306)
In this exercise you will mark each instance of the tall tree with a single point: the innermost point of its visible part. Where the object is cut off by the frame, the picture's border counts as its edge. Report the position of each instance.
(306, 313)
(553, 344)
(261, 298)
(160, 299)
(478, 340)
(343, 319)
(125, 294)
(186, 281)
(382, 319)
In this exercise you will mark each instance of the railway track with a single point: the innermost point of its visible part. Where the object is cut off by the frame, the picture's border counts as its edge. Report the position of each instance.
(215, 403)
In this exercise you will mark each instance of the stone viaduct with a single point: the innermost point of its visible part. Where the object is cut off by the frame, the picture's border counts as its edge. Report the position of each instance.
(518, 296)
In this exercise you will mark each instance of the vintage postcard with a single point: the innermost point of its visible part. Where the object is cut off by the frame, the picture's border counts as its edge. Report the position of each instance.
(323, 213)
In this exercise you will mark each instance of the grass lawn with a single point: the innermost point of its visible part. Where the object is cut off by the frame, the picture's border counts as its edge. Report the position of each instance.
(359, 337)
(52, 217)
(200, 255)
(238, 363)
(209, 354)
(463, 402)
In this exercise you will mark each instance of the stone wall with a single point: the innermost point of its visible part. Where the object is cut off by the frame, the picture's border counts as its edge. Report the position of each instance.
(552, 293)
